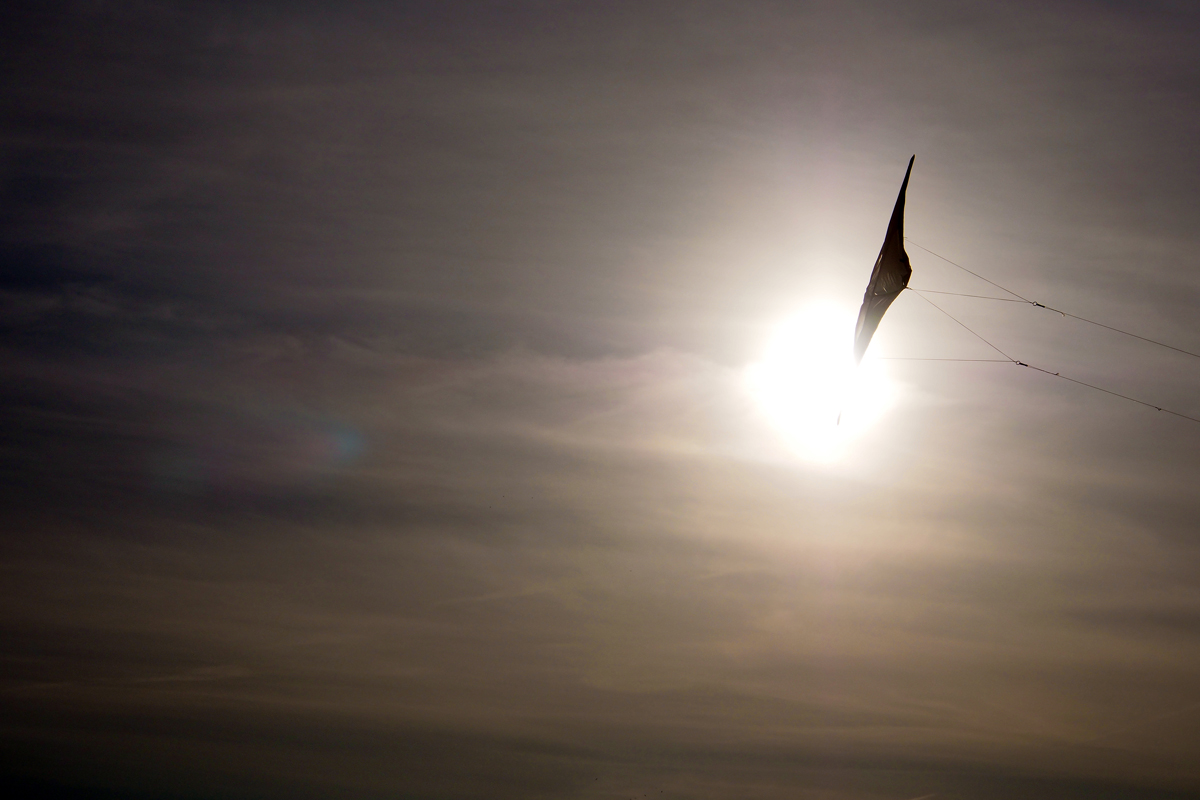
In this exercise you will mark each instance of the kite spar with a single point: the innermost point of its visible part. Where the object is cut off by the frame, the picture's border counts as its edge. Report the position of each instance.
(888, 279)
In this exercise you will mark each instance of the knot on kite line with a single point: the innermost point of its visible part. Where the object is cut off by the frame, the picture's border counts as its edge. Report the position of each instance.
(1056, 311)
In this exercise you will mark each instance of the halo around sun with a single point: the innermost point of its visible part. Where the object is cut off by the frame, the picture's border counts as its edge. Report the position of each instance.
(807, 379)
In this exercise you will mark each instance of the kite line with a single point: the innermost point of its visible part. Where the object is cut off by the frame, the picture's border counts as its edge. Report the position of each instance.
(1009, 359)
(973, 333)
(1036, 304)
(964, 269)
(961, 360)
(960, 294)
(1107, 391)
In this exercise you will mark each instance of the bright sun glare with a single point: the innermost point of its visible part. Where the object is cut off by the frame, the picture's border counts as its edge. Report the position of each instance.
(807, 378)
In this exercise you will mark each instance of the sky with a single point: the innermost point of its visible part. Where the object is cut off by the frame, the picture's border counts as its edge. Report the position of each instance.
(378, 410)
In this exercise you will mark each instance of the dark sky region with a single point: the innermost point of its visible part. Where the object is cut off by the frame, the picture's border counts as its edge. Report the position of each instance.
(375, 421)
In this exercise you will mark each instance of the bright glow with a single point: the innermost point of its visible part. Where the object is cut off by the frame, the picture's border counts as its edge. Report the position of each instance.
(807, 377)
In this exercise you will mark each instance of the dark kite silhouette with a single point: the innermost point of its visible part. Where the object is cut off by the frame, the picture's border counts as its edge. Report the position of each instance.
(888, 279)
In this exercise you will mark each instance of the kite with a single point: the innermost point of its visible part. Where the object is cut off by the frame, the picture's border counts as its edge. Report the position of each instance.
(888, 279)
(891, 275)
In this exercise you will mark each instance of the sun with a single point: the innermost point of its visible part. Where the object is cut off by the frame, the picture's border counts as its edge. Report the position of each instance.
(807, 380)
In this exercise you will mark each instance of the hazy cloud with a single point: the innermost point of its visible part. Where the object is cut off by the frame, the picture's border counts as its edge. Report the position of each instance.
(375, 423)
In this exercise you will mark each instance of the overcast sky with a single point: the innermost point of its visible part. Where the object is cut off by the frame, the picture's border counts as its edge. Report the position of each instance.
(374, 418)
